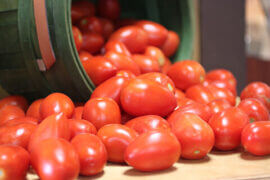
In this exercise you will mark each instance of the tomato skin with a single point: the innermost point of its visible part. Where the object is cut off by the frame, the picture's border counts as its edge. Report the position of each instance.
(80, 126)
(58, 156)
(219, 105)
(14, 100)
(116, 138)
(92, 153)
(183, 102)
(101, 111)
(22, 120)
(92, 42)
(109, 9)
(77, 113)
(77, 35)
(167, 65)
(222, 93)
(147, 64)
(10, 112)
(145, 97)
(80, 9)
(171, 44)
(179, 94)
(223, 84)
(90, 24)
(126, 73)
(255, 109)
(56, 103)
(258, 90)
(155, 53)
(186, 74)
(107, 27)
(14, 162)
(221, 74)
(227, 126)
(125, 117)
(117, 46)
(200, 94)
(134, 38)
(255, 138)
(157, 34)
(143, 124)
(153, 151)
(85, 56)
(194, 134)
(33, 110)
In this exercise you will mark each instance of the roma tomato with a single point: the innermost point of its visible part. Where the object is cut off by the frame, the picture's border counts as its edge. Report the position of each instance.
(179, 94)
(219, 105)
(85, 56)
(77, 36)
(55, 159)
(256, 138)
(146, 97)
(90, 24)
(223, 84)
(107, 27)
(155, 53)
(109, 9)
(117, 46)
(167, 65)
(99, 69)
(14, 100)
(194, 134)
(56, 103)
(92, 153)
(77, 113)
(186, 74)
(227, 126)
(116, 138)
(171, 44)
(258, 90)
(222, 93)
(156, 33)
(14, 162)
(126, 73)
(147, 123)
(80, 9)
(92, 42)
(183, 102)
(22, 120)
(200, 94)
(102, 111)
(80, 126)
(146, 63)
(221, 74)
(255, 109)
(10, 112)
(152, 147)
(33, 110)
(134, 38)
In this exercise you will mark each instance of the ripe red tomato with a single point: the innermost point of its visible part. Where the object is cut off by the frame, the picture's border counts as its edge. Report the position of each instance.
(157, 34)
(219, 105)
(152, 147)
(155, 53)
(258, 90)
(90, 24)
(80, 126)
(10, 112)
(186, 74)
(143, 124)
(15, 100)
(56, 103)
(227, 126)
(194, 134)
(80, 9)
(145, 97)
(55, 159)
(183, 102)
(22, 120)
(255, 109)
(167, 65)
(255, 138)
(117, 46)
(126, 73)
(33, 110)
(109, 9)
(221, 74)
(99, 69)
(134, 38)
(107, 27)
(102, 111)
(171, 44)
(14, 162)
(146, 63)
(85, 56)
(116, 138)
(77, 35)
(77, 113)
(179, 94)
(222, 93)
(200, 94)
(222, 84)
(92, 42)
(92, 153)
(122, 62)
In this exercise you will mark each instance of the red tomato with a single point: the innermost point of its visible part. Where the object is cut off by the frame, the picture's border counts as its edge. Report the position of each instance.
(80, 9)
(186, 74)
(227, 126)
(109, 9)
(222, 84)
(102, 111)
(219, 105)
(145, 97)
(17, 134)
(56, 103)
(179, 94)
(55, 159)
(171, 44)
(22, 120)
(146, 63)
(159, 78)
(90, 24)
(255, 109)
(258, 90)
(122, 62)
(183, 102)
(92, 42)
(85, 56)
(200, 94)
(19, 101)
(92, 153)
(54, 126)
(221, 74)
(195, 135)
(10, 112)
(147, 123)
(157, 34)
(107, 27)
(117, 46)
(33, 110)
(116, 138)
(255, 138)
(77, 35)
(77, 114)
(14, 162)
(153, 151)
(155, 53)
(134, 38)
(126, 73)
(222, 93)
(167, 65)
(80, 126)
(124, 22)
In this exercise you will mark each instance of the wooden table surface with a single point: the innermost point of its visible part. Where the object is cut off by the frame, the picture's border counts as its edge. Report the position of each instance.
(216, 166)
